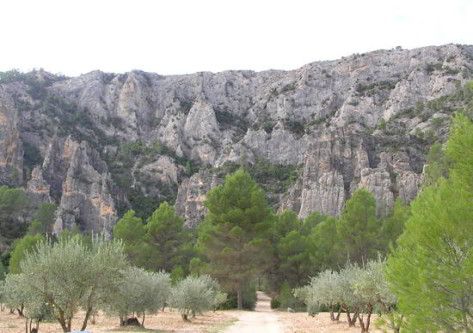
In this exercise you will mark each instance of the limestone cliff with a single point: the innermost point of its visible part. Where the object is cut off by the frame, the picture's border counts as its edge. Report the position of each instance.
(101, 143)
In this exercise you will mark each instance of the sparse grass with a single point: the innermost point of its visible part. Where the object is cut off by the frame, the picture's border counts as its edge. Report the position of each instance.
(221, 327)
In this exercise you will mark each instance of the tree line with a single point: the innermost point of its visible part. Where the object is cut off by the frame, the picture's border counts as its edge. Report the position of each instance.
(425, 283)
(417, 261)
(240, 239)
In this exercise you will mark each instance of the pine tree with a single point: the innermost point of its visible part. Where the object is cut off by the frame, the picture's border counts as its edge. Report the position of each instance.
(358, 228)
(323, 245)
(43, 220)
(131, 230)
(165, 236)
(232, 237)
(431, 270)
(20, 248)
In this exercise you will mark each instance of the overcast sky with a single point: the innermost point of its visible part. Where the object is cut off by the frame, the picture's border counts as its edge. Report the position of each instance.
(178, 36)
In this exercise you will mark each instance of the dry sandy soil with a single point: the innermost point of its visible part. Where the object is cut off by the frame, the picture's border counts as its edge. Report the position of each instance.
(263, 320)
(164, 322)
(303, 323)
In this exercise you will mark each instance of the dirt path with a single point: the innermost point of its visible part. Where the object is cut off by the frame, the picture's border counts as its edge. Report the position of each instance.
(262, 320)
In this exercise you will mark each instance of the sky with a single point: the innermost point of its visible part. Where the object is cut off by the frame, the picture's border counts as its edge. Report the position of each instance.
(187, 36)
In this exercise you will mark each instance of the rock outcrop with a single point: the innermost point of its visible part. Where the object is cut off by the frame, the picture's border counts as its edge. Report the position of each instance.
(11, 147)
(106, 142)
(86, 199)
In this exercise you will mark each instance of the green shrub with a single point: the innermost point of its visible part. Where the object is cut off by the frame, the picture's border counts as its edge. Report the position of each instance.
(382, 124)
(294, 126)
(288, 87)
(275, 303)
(431, 67)
(372, 88)
(268, 126)
(249, 300)
(227, 119)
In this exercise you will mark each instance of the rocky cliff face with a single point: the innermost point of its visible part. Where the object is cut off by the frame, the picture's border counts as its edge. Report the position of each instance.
(100, 143)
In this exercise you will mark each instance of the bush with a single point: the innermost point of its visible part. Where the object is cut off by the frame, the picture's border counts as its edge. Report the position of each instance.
(275, 304)
(249, 300)
(195, 295)
(287, 299)
(294, 126)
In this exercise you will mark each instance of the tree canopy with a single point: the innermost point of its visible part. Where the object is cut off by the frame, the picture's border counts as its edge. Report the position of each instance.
(359, 227)
(67, 276)
(233, 238)
(431, 271)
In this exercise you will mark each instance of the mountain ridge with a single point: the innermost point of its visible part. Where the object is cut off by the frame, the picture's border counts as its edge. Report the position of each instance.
(100, 143)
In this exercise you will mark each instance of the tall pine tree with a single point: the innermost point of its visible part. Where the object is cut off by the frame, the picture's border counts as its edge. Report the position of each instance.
(359, 229)
(233, 236)
(431, 270)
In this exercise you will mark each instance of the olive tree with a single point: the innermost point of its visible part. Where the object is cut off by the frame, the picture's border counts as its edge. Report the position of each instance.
(356, 290)
(16, 296)
(68, 276)
(140, 292)
(335, 288)
(371, 288)
(322, 290)
(195, 295)
(218, 296)
(349, 301)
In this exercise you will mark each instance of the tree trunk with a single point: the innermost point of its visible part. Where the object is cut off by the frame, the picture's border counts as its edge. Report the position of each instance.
(351, 320)
(26, 326)
(239, 298)
(184, 317)
(397, 328)
(356, 314)
(20, 310)
(86, 319)
(365, 327)
(337, 318)
(62, 321)
(143, 321)
(465, 320)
